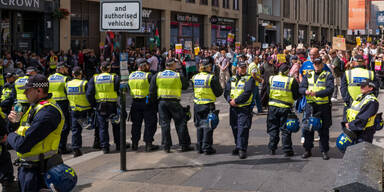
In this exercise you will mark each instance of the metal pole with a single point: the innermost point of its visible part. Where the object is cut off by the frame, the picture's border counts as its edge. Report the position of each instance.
(123, 117)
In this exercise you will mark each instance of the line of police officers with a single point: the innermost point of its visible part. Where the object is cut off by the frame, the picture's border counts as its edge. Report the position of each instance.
(162, 92)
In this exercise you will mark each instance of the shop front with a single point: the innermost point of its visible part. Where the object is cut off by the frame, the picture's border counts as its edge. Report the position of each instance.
(150, 31)
(220, 27)
(26, 26)
(268, 32)
(186, 28)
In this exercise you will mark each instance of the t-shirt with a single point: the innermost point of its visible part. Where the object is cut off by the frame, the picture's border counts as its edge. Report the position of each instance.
(307, 67)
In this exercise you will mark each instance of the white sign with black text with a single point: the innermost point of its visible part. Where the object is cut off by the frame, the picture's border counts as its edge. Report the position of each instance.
(122, 15)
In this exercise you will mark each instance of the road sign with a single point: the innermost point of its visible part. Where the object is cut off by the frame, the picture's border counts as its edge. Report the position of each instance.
(123, 15)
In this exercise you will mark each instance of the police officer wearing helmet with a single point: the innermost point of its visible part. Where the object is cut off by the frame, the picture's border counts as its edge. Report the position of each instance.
(8, 94)
(80, 107)
(317, 86)
(166, 86)
(283, 91)
(350, 82)
(20, 82)
(102, 93)
(238, 93)
(142, 107)
(57, 83)
(38, 133)
(206, 88)
(362, 113)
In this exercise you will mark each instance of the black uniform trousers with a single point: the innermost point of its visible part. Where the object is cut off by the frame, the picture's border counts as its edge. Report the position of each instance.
(6, 167)
(172, 109)
(240, 119)
(64, 106)
(366, 135)
(31, 179)
(140, 111)
(326, 118)
(276, 121)
(204, 131)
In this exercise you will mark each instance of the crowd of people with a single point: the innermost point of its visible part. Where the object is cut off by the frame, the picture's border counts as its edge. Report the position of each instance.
(44, 97)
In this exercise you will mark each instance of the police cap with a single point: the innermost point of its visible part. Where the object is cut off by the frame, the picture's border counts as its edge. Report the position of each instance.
(317, 61)
(9, 75)
(283, 68)
(141, 61)
(170, 62)
(367, 82)
(205, 62)
(62, 64)
(37, 81)
(242, 64)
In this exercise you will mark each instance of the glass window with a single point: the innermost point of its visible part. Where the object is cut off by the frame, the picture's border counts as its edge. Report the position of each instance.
(204, 2)
(196, 33)
(225, 4)
(174, 34)
(236, 4)
(213, 35)
(190, 1)
(186, 30)
(79, 27)
(215, 3)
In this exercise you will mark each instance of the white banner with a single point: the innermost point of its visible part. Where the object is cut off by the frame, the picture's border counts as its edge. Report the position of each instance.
(120, 15)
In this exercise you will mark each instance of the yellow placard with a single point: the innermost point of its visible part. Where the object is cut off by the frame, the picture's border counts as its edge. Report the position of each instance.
(377, 65)
(358, 40)
(197, 50)
(237, 45)
(178, 48)
(281, 58)
(369, 39)
(340, 36)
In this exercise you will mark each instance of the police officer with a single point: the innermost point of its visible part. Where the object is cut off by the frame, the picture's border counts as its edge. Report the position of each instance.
(283, 92)
(206, 88)
(80, 107)
(318, 87)
(57, 83)
(8, 95)
(166, 86)
(350, 82)
(102, 93)
(20, 82)
(36, 139)
(142, 107)
(361, 115)
(238, 93)
(253, 70)
(6, 167)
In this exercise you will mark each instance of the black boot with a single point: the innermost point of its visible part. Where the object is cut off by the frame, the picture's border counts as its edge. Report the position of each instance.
(135, 146)
(242, 154)
(77, 153)
(150, 147)
(325, 155)
(96, 143)
(64, 150)
(186, 148)
(10, 186)
(307, 154)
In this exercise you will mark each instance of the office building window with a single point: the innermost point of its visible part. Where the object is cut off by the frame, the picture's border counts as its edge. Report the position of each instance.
(236, 4)
(204, 2)
(225, 4)
(190, 1)
(215, 3)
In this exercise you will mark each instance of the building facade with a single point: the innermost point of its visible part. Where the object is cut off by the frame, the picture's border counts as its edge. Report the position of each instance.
(201, 22)
(28, 25)
(289, 22)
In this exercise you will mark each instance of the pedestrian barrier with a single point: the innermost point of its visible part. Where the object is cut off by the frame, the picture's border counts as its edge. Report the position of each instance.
(361, 169)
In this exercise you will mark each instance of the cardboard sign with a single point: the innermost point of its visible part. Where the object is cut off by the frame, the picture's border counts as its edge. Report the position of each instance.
(340, 36)
(339, 43)
(230, 37)
(179, 48)
(197, 50)
(358, 41)
(188, 45)
(369, 39)
(377, 65)
(256, 44)
(289, 47)
(237, 45)
(265, 45)
(281, 58)
(300, 46)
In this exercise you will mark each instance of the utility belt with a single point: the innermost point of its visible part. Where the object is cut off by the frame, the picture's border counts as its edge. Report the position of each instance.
(168, 99)
(106, 108)
(43, 164)
(139, 100)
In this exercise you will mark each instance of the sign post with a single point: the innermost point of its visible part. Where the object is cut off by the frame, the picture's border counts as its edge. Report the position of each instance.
(121, 16)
